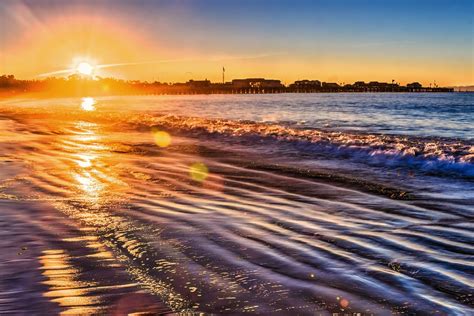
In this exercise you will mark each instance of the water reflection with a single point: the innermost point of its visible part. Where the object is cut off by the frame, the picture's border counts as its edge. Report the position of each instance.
(88, 104)
(89, 184)
(65, 289)
(87, 153)
(85, 160)
(272, 236)
(79, 292)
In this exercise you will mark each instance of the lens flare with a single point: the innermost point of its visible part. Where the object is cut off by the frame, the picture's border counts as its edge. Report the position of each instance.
(344, 303)
(162, 138)
(88, 104)
(198, 171)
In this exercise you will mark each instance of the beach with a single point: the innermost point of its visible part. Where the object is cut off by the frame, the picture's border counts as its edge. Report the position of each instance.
(308, 204)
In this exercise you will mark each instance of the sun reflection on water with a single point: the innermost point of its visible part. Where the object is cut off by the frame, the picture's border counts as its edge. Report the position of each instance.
(89, 184)
(64, 289)
(88, 104)
(85, 160)
(87, 154)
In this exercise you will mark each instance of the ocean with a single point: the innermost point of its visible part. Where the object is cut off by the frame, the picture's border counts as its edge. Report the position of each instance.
(269, 204)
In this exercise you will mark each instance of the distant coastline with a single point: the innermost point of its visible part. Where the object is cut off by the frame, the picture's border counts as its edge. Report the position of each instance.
(76, 85)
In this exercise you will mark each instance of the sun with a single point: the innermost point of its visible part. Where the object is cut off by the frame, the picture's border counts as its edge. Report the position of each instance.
(84, 68)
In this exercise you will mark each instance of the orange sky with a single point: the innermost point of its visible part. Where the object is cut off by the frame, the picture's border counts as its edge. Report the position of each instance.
(61, 40)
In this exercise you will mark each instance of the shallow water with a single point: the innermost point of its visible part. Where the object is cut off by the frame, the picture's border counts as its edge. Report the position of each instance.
(278, 204)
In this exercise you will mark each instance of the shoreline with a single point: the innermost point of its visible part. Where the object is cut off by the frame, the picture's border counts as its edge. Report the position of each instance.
(229, 217)
(179, 245)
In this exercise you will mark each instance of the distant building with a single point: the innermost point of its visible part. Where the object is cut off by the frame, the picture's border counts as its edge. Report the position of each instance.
(414, 85)
(376, 84)
(306, 84)
(359, 84)
(218, 85)
(198, 84)
(256, 83)
(330, 85)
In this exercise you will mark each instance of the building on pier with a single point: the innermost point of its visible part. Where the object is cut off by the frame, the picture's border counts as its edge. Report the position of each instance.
(256, 83)
(306, 84)
(414, 85)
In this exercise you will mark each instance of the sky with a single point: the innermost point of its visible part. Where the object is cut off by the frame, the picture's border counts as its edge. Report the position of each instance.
(170, 41)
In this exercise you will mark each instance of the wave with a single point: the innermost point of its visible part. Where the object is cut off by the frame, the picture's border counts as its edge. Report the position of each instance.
(434, 156)
(429, 155)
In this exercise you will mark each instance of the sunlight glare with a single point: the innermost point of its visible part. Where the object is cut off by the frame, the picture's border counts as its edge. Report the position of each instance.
(88, 104)
(86, 160)
(84, 68)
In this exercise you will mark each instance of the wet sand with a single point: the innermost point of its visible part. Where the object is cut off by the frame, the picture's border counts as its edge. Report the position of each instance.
(97, 217)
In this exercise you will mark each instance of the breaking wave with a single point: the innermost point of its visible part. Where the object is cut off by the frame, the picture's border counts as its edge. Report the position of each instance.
(430, 155)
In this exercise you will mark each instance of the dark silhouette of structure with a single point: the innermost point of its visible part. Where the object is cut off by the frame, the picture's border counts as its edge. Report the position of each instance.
(256, 83)
(312, 85)
(414, 85)
(76, 85)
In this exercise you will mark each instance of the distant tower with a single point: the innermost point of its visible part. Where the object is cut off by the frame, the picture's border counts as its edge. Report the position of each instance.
(223, 75)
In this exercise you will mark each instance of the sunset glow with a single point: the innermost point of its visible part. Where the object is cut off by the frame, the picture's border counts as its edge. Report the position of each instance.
(146, 42)
(209, 157)
(84, 69)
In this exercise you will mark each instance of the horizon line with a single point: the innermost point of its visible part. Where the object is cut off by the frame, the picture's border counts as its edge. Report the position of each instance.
(96, 78)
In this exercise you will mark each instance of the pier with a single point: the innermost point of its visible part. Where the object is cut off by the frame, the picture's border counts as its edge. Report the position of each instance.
(77, 85)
